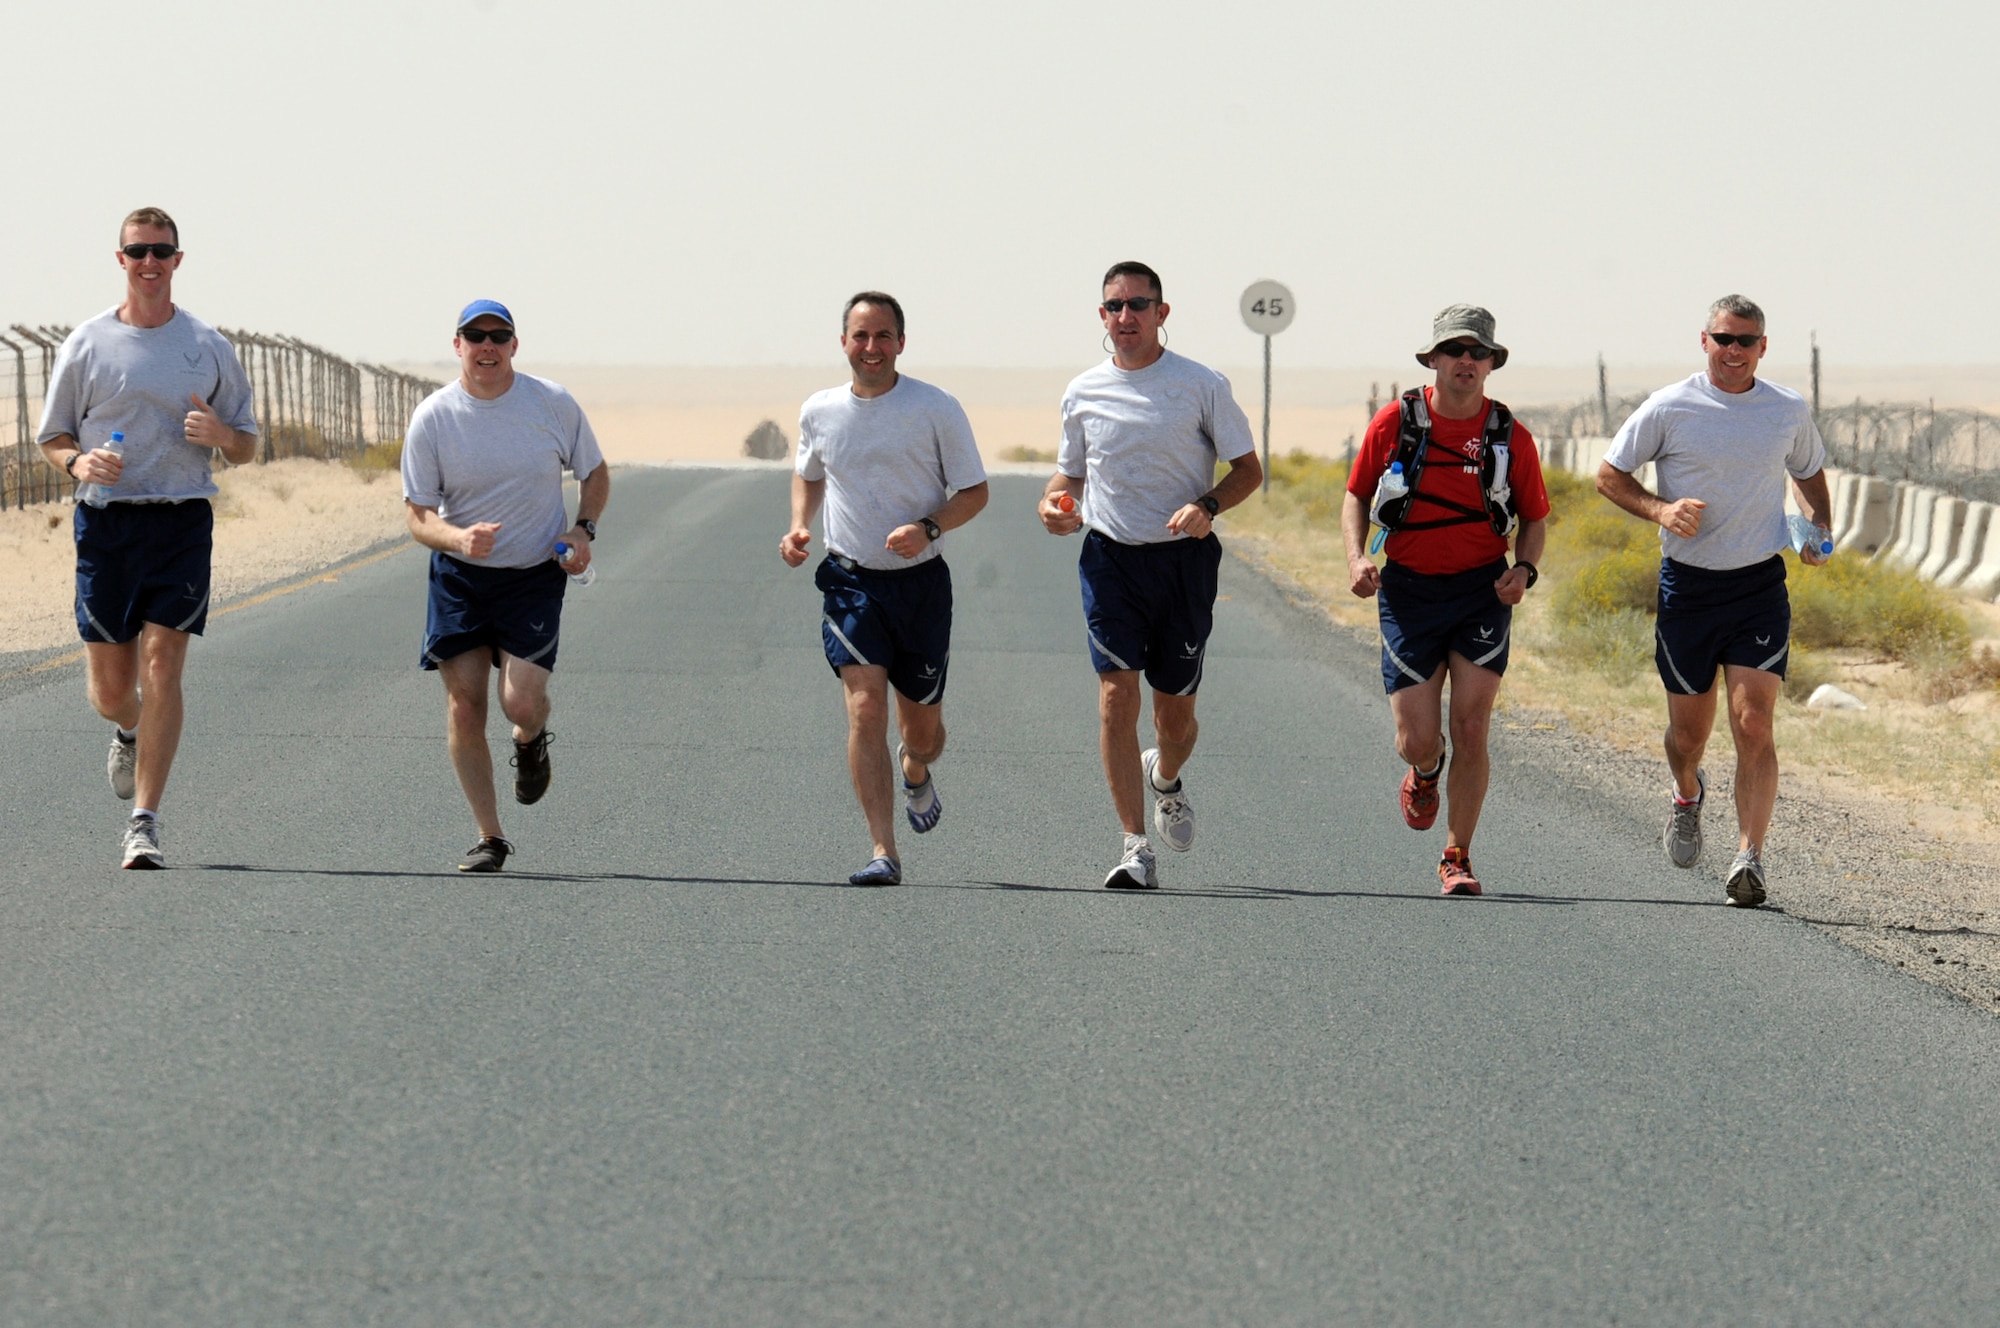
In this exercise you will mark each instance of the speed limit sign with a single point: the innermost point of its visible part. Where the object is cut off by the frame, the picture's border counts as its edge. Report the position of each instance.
(1267, 308)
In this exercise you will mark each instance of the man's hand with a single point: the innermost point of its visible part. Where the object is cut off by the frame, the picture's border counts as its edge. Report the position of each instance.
(1809, 555)
(1512, 587)
(1683, 517)
(1057, 519)
(1192, 521)
(98, 466)
(907, 541)
(792, 548)
(205, 428)
(476, 540)
(1364, 578)
(580, 543)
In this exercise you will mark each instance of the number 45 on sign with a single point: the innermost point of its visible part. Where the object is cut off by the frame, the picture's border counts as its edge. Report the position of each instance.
(1267, 309)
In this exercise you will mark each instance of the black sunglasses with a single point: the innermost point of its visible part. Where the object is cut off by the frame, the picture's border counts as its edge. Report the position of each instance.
(1138, 304)
(479, 336)
(156, 250)
(1451, 350)
(1744, 339)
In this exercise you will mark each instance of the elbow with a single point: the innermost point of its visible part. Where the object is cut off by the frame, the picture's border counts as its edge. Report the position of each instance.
(976, 498)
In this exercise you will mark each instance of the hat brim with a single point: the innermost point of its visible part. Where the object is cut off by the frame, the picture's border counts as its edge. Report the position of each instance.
(1499, 351)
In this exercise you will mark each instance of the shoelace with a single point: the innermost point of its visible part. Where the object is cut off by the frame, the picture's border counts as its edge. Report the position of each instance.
(535, 750)
(1687, 819)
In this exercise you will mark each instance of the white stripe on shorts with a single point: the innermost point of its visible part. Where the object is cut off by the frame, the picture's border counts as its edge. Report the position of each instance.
(859, 658)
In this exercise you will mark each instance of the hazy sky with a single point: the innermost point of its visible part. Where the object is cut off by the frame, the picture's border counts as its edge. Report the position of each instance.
(705, 184)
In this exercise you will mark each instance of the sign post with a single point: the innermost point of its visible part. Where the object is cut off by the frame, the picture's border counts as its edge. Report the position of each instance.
(1267, 310)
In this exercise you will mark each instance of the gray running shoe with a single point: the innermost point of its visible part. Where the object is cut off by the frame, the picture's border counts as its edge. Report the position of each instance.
(1746, 879)
(1172, 816)
(122, 765)
(1137, 870)
(920, 802)
(142, 845)
(1682, 838)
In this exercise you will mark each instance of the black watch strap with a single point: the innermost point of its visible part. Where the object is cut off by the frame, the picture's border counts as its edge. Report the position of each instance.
(587, 527)
(931, 529)
(1209, 503)
(1534, 572)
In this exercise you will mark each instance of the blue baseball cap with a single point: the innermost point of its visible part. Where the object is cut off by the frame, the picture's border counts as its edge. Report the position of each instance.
(480, 308)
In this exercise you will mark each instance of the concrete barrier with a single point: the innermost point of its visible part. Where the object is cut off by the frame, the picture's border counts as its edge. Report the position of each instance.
(1872, 521)
(1947, 517)
(1845, 484)
(1972, 538)
(1913, 527)
(1983, 581)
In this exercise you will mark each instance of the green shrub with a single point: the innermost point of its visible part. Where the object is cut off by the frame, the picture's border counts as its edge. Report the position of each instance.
(1861, 605)
(1625, 580)
(1617, 643)
(1805, 671)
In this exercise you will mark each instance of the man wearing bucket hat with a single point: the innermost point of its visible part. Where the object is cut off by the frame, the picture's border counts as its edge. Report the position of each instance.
(482, 477)
(1722, 445)
(1471, 479)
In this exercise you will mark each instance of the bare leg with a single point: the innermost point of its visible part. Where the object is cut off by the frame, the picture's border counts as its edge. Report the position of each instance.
(867, 689)
(1472, 692)
(524, 696)
(1174, 722)
(465, 734)
(162, 656)
(1419, 715)
(1753, 701)
(922, 730)
(112, 680)
(1690, 719)
(1118, 701)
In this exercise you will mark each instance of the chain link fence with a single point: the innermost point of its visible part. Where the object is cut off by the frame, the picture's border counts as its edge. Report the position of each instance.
(309, 403)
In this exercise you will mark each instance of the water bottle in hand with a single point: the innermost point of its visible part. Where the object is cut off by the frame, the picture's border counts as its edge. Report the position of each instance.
(1804, 533)
(1388, 489)
(563, 555)
(97, 495)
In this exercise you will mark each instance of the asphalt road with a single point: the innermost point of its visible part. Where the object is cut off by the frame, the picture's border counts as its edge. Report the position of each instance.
(671, 1069)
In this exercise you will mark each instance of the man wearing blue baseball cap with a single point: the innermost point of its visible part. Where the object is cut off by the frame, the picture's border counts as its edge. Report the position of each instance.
(482, 476)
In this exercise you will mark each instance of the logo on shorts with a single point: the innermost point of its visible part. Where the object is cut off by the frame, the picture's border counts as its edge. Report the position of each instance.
(534, 627)
(1486, 633)
(1190, 650)
(1763, 640)
(930, 670)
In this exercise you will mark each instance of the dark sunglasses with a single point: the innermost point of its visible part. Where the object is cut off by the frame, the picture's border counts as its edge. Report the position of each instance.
(156, 250)
(1744, 339)
(478, 336)
(1451, 350)
(1138, 304)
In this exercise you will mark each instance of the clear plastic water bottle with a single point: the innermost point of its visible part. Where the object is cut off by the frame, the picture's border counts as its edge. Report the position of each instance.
(1388, 489)
(1802, 532)
(97, 495)
(583, 578)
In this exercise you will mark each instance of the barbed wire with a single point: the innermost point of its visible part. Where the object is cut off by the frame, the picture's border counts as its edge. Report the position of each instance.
(309, 402)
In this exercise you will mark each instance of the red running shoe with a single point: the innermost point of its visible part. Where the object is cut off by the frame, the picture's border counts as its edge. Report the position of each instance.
(1455, 873)
(1420, 800)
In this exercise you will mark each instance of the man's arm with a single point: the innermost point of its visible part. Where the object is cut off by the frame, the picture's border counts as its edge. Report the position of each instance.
(592, 491)
(92, 467)
(1682, 517)
(807, 495)
(1246, 472)
(1816, 501)
(206, 429)
(1364, 578)
(1057, 519)
(1529, 541)
(911, 540)
(434, 532)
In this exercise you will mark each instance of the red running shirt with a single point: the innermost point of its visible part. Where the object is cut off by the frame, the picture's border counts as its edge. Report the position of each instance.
(1457, 548)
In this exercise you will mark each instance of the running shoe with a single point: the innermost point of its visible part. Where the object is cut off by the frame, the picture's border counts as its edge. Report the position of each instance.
(142, 845)
(1746, 879)
(1455, 873)
(1137, 870)
(921, 802)
(488, 855)
(122, 765)
(879, 871)
(1420, 798)
(1682, 837)
(1172, 816)
(531, 768)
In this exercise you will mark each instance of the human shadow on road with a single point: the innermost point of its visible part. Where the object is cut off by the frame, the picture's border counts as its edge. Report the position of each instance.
(1491, 896)
(387, 873)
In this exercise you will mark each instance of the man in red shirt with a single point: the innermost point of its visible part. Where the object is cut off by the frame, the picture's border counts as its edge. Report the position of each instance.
(1446, 595)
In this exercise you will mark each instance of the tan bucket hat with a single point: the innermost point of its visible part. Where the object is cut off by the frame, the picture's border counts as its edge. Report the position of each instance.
(1463, 320)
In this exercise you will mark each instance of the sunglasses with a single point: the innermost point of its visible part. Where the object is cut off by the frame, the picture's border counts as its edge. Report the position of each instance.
(1451, 350)
(1138, 304)
(499, 336)
(1744, 339)
(136, 251)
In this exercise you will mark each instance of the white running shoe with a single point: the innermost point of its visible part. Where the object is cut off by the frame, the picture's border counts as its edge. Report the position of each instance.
(122, 765)
(1746, 880)
(1137, 870)
(1172, 816)
(1682, 837)
(142, 845)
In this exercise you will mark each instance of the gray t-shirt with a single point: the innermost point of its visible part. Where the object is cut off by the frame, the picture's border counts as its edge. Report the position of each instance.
(1145, 443)
(1732, 450)
(110, 376)
(500, 460)
(887, 461)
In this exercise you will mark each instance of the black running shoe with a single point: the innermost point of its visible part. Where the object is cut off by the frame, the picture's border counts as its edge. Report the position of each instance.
(488, 855)
(531, 768)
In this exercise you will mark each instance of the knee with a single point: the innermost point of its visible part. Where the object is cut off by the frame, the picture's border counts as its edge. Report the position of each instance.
(1176, 728)
(465, 712)
(1118, 700)
(923, 737)
(525, 712)
(1754, 730)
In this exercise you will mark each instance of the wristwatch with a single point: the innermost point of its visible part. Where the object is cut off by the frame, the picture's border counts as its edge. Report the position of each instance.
(1534, 573)
(931, 529)
(1209, 504)
(587, 527)
(69, 466)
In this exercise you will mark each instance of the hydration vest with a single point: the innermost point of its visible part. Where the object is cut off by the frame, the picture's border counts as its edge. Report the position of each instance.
(1413, 445)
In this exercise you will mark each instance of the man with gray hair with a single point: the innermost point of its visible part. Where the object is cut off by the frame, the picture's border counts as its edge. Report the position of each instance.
(1722, 444)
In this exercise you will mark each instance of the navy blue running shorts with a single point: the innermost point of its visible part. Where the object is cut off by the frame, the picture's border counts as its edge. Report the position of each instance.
(1426, 618)
(139, 563)
(513, 609)
(1709, 618)
(897, 618)
(1150, 607)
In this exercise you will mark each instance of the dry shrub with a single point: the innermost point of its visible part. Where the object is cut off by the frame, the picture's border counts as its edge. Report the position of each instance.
(1625, 580)
(1307, 488)
(1805, 671)
(377, 459)
(1028, 454)
(1862, 605)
